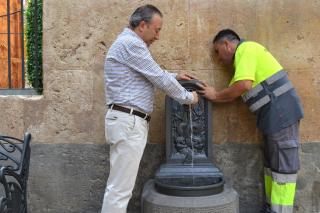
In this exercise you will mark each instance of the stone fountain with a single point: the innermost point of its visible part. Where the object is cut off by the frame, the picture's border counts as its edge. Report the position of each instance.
(188, 181)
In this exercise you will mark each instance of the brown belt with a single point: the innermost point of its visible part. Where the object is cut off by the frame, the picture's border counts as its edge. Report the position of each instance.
(130, 111)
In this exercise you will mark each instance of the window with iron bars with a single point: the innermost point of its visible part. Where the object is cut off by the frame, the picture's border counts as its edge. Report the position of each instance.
(20, 47)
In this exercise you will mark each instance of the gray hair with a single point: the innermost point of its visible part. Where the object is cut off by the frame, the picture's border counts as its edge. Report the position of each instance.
(143, 13)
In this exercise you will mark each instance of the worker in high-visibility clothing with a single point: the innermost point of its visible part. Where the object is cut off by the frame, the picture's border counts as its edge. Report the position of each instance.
(264, 86)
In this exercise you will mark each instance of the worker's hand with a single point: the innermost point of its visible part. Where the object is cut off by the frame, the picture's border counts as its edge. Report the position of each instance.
(208, 92)
(195, 98)
(184, 76)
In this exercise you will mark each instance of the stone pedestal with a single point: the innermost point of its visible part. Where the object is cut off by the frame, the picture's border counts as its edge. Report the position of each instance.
(154, 202)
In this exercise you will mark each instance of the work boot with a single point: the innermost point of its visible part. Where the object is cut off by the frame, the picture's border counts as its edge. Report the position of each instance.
(266, 208)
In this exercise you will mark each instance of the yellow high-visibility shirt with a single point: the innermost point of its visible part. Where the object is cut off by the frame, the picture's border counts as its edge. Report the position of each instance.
(253, 62)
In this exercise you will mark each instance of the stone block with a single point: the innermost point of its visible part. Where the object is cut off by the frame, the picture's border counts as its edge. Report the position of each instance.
(11, 115)
(307, 88)
(67, 177)
(288, 35)
(207, 18)
(71, 89)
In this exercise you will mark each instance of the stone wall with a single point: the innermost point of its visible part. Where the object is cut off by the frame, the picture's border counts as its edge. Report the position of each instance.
(69, 162)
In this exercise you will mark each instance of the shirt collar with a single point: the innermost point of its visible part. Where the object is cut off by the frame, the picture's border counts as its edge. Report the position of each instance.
(240, 42)
(129, 31)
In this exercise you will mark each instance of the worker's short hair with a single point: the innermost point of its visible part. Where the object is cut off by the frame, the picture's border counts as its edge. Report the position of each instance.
(227, 34)
(143, 13)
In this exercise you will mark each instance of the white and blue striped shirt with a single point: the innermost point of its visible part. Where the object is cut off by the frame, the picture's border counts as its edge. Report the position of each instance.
(131, 75)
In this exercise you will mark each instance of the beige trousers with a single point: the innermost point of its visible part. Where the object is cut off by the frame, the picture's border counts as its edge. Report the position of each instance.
(127, 136)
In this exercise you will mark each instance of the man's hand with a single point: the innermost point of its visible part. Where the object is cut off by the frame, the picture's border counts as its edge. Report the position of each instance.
(226, 95)
(184, 76)
(195, 97)
(208, 92)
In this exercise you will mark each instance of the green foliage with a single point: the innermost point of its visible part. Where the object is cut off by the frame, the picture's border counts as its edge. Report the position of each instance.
(33, 33)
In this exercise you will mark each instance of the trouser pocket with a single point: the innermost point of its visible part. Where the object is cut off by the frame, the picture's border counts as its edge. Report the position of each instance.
(288, 156)
(117, 126)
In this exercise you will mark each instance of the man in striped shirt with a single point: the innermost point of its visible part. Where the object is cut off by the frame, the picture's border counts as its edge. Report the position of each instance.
(131, 76)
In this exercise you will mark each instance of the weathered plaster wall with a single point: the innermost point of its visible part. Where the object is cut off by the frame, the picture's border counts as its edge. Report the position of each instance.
(69, 163)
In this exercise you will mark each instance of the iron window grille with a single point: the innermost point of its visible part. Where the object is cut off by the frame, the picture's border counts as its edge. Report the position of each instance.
(20, 52)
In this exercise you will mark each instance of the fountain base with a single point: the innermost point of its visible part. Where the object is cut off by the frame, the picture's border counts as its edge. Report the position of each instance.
(189, 181)
(154, 202)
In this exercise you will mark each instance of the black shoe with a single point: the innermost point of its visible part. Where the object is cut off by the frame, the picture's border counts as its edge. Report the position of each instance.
(266, 208)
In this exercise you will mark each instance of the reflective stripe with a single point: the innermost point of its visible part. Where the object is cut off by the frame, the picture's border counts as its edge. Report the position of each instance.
(277, 92)
(284, 178)
(283, 189)
(267, 183)
(268, 187)
(284, 88)
(252, 92)
(282, 193)
(282, 209)
(258, 104)
(276, 77)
